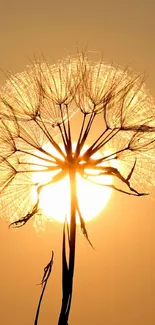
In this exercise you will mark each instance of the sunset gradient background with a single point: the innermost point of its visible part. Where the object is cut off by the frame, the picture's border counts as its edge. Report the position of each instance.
(115, 283)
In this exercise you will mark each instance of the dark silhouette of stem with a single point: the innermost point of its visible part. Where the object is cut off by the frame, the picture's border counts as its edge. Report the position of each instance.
(68, 270)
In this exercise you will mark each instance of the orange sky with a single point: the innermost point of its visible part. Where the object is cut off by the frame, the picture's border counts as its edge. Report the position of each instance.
(115, 284)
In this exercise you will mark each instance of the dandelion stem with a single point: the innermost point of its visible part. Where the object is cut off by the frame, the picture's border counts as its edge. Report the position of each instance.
(68, 272)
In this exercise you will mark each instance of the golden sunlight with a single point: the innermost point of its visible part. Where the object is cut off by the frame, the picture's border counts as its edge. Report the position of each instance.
(55, 198)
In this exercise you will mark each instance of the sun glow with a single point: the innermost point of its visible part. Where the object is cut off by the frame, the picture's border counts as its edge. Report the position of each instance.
(54, 199)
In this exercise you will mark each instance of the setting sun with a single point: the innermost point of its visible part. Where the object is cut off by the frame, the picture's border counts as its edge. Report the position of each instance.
(54, 199)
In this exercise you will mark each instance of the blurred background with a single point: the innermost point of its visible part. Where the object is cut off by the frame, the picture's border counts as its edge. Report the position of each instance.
(115, 283)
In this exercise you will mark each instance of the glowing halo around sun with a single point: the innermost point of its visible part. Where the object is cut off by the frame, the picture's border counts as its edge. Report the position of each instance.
(54, 199)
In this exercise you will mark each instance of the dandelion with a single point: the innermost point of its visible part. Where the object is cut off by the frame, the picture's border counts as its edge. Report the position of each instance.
(36, 111)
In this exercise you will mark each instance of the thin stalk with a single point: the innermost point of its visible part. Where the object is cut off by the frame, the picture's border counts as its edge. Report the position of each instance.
(63, 138)
(44, 151)
(67, 280)
(85, 135)
(104, 141)
(89, 150)
(63, 123)
(111, 135)
(92, 163)
(50, 138)
(69, 131)
(80, 135)
(36, 156)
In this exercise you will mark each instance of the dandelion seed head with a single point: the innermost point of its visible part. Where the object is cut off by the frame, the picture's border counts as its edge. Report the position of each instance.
(39, 103)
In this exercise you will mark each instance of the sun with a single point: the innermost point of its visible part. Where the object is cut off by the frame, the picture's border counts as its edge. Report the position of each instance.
(54, 199)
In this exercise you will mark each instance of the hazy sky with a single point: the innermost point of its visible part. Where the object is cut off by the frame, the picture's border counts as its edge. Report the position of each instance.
(115, 284)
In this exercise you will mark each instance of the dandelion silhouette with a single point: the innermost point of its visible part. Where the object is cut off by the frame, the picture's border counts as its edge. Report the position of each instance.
(36, 106)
